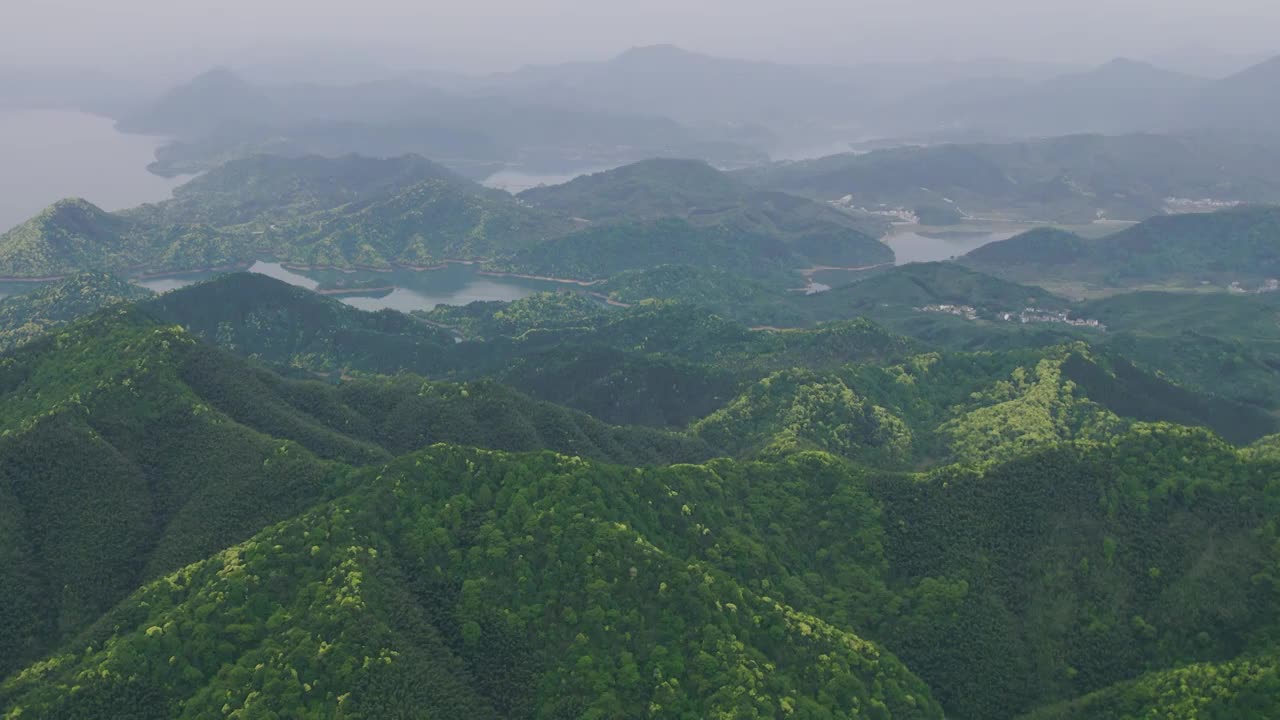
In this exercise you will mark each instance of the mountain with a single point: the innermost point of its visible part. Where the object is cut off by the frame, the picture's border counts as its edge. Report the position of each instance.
(172, 449)
(646, 190)
(70, 235)
(457, 615)
(424, 225)
(1076, 178)
(213, 100)
(182, 527)
(727, 294)
(469, 548)
(1235, 245)
(938, 283)
(219, 116)
(1247, 100)
(26, 317)
(340, 212)
(661, 188)
(597, 253)
(280, 323)
(250, 189)
(1244, 687)
(1120, 96)
(656, 190)
(693, 88)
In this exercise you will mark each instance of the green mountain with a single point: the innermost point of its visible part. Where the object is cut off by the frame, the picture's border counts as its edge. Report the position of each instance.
(600, 252)
(903, 532)
(422, 225)
(212, 99)
(491, 577)
(920, 284)
(1068, 179)
(1246, 688)
(647, 190)
(1232, 245)
(729, 295)
(498, 586)
(26, 317)
(69, 236)
(263, 189)
(118, 434)
(1072, 569)
(692, 190)
(343, 212)
(262, 317)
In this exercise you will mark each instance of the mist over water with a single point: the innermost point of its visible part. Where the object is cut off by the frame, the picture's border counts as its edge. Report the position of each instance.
(48, 155)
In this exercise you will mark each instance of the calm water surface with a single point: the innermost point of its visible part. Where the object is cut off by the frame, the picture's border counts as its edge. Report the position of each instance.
(516, 181)
(47, 155)
(455, 284)
(930, 246)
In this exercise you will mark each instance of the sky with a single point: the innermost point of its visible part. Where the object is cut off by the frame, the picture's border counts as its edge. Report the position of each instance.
(488, 35)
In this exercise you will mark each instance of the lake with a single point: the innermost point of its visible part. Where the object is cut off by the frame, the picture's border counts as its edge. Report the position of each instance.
(517, 181)
(53, 154)
(455, 284)
(931, 246)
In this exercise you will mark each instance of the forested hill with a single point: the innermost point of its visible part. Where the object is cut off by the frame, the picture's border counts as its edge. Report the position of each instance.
(26, 317)
(1235, 245)
(352, 212)
(183, 529)
(1068, 179)
(646, 190)
(694, 191)
(343, 212)
(271, 186)
(483, 580)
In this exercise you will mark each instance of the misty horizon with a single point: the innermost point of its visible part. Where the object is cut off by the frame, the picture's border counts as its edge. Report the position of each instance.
(152, 38)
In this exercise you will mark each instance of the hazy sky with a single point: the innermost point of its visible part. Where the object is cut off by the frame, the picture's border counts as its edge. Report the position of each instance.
(496, 34)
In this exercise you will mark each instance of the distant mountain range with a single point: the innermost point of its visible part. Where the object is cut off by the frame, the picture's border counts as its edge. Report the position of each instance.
(356, 212)
(1239, 245)
(219, 116)
(1121, 96)
(660, 101)
(1077, 178)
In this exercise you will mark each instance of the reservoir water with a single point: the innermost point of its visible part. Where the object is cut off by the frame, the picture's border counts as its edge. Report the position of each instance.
(455, 284)
(931, 246)
(53, 154)
(517, 181)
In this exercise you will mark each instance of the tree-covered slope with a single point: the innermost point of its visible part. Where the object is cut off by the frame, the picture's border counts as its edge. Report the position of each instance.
(1075, 568)
(647, 190)
(68, 236)
(1247, 688)
(341, 212)
(921, 284)
(731, 296)
(128, 448)
(1004, 523)
(1234, 245)
(422, 225)
(1069, 178)
(283, 324)
(692, 190)
(25, 317)
(597, 253)
(458, 581)
(271, 188)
